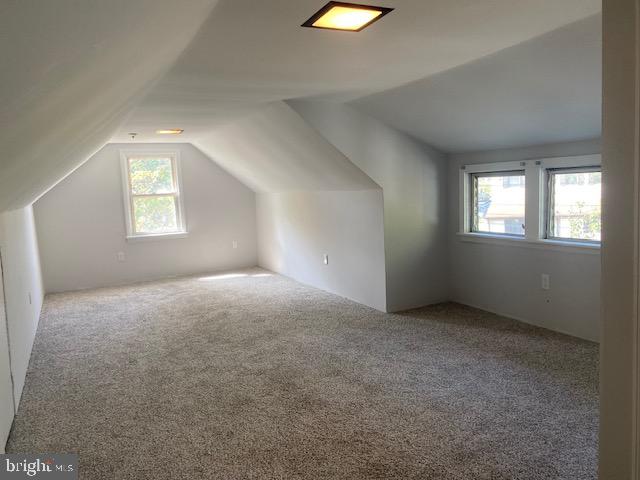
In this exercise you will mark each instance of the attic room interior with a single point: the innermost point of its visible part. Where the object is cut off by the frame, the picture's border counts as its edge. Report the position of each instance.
(298, 239)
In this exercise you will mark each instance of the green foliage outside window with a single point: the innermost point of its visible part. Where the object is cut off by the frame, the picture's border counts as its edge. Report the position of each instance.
(155, 214)
(151, 175)
(585, 222)
(153, 195)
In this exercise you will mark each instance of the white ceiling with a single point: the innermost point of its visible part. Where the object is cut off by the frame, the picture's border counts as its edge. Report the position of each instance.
(79, 73)
(274, 150)
(545, 90)
(71, 72)
(250, 52)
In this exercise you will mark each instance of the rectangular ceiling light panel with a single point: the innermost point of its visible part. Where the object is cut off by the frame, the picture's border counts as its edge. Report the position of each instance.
(170, 131)
(348, 17)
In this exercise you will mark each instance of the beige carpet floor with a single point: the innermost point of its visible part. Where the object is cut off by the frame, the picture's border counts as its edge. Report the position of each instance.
(251, 375)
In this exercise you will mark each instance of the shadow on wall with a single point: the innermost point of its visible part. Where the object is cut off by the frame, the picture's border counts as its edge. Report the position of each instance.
(413, 177)
(296, 230)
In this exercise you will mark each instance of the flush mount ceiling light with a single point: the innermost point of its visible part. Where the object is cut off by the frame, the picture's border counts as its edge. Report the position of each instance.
(349, 17)
(170, 131)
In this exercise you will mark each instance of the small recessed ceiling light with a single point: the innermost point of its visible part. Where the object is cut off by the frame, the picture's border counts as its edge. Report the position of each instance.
(171, 131)
(350, 17)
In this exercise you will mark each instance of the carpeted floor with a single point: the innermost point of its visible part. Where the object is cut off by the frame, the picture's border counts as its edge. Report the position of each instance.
(253, 375)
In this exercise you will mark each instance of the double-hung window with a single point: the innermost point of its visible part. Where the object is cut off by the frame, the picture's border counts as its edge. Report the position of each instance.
(550, 200)
(152, 194)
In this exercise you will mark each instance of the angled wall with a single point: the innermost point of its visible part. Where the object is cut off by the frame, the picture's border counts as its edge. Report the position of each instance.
(413, 178)
(312, 200)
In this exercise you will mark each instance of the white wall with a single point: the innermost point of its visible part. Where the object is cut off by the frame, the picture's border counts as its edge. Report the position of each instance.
(81, 225)
(619, 396)
(313, 200)
(413, 177)
(505, 279)
(295, 231)
(6, 385)
(23, 288)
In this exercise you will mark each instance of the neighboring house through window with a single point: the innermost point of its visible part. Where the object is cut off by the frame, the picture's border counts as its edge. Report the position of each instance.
(574, 203)
(498, 203)
(546, 200)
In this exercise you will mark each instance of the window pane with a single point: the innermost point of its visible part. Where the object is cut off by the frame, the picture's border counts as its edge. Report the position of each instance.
(151, 175)
(498, 203)
(575, 204)
(155, 214)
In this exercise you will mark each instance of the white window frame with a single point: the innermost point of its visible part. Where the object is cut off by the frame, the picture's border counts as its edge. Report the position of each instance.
(536, 204)
(181, 221)
(471, 198)
(548, 200)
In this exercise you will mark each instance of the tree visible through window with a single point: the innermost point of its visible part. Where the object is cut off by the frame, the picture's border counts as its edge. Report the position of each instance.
(153, 194)
(561, 197)
(575, 204)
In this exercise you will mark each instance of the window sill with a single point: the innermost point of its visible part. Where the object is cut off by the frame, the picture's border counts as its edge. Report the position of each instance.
(156, 236)
(542, 244)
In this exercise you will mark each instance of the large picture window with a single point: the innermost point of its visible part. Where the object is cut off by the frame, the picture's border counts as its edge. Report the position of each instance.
(153, 203)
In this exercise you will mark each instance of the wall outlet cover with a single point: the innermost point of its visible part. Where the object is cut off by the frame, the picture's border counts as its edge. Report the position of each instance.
(545, 281)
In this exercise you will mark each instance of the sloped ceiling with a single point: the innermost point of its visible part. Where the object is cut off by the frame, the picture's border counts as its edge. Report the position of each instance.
(251, 52)
(274, 150)
(79, 73)
(71, 72)
(545, 90)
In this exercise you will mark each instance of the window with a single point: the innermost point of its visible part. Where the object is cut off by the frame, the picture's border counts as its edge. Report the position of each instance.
(573, 209)
(540, 202)
(498, 203)
(153, 203)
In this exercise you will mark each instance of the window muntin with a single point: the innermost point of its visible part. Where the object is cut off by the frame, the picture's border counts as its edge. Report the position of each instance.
(154, 205)
(573, 209)
(498, 203)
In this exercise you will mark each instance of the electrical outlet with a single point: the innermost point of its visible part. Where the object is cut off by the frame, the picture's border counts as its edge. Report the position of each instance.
(121, 256)
(325, 259)
(545, 281)
(234, 244)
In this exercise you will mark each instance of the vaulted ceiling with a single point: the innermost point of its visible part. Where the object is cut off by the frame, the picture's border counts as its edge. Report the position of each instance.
(71, 72)
(84, 73)
(545, 90)
(249, 53)
(274, 150)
